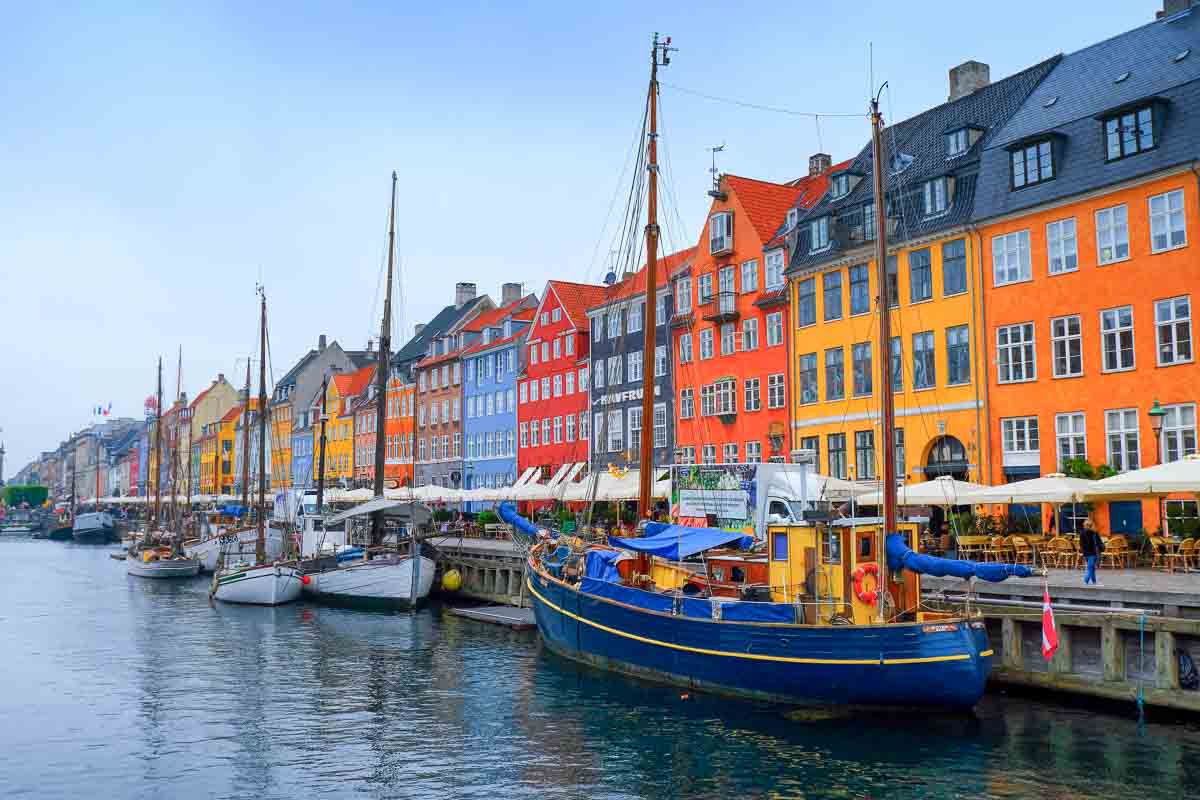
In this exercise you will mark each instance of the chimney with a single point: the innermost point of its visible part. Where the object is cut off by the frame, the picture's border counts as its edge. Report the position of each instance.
(818, 163)
(463, 293)
(220, 377)
(420, 326)
(510, 293)
(321, 343)
(1172, 7)
(370, 345)
(967, 77)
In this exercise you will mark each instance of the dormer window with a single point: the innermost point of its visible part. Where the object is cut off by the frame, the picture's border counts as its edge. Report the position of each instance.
(720, 233)
(1032, 163)
(793, 216)
(818, 231)
(1129, 132)
(957, 142)
(869, 221)
(487, 335)
(839, 186)
(507, 328)
(900, 162)
(936, 196)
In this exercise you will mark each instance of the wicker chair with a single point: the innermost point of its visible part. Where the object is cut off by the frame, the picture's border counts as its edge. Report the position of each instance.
(1180, 556)
(1116, 552)
(1022, 550)
(1189, 553)
(1059, 553)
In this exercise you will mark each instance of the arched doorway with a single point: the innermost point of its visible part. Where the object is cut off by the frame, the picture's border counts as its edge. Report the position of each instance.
(947, 456)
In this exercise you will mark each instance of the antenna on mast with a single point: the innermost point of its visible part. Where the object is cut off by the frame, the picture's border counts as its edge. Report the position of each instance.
(716, 174)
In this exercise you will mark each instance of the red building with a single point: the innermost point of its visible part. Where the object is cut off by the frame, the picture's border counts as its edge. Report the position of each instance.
(729, 328)
(552, 391)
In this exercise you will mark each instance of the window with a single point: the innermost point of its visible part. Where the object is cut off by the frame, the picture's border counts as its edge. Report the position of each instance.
(685, 348)
(868, 214)
(793, 216)
(1173, 321)
(1129, 133)
(749, 334)
(1019, 434)
(1015, 357)
(546, 387)
(1179, 431)
(614, 323)
(660, 308)
(524, 435)
(709, 454)
(835, 443)
(1010, 258)
(568, 348)
(775, 393)
(774, 329)
(583, 379)
(936, 193)
(704, 287)
(660, 360)
(860, 295)
(1061, 246)
(1116, 333)
(1112, 234)
(635, 317)
(1168, 228)
(490, 402)
(533, 391)
(706, 343)
(1067, 340)
(708, 400)
(614, 371)
(660, 425)
(861, 361)
(864, 455)
(753, 452)
(808, 378)
(1032, 164)
(597, 325)
(920, 275)
(1071, 435)
(558, 430)
(683, 295)
(685, 455)
(687, 403)
(558, 386)
(839, 186)
(893, 283)
(924, 368)
(570, 382)
(752, 395)
(725, 286)
(835, 374)
(533, 348)
(455, 411)
(546, 431)
(556, 315)
(1182, 516)
(958, 355)
(634, 371)
(818, 234)
(898, 452)
(726, 396)
(557, 348)
(1121, 430)
(957, 142)
(534, 434)
(583, 426)
(750, 276)
(831, 283)
(720, 232)
(728, 338)
(729, 454)
(570, 420)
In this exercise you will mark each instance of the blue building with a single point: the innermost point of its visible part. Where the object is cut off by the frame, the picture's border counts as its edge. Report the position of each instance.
(491, 367)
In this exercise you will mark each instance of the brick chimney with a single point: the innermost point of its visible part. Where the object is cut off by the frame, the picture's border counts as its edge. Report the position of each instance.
(1172, 7)
(818, 163)
(463, 293)
(510, 293)
(321, 343)
(220, 377)
(420, 326)
(968, 77)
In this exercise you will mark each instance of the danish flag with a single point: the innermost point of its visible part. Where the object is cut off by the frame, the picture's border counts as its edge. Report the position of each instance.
(1049, 633)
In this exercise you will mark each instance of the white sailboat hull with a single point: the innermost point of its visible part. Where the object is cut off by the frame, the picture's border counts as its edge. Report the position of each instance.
(207, 550)
(265, 585)
(384, 582)
(172, 568)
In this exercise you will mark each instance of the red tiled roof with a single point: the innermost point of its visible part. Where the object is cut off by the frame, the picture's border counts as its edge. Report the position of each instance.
(489, 319)
(577, 298)
(635, 284)
(806, 192)
(352, 383)
(232, 414)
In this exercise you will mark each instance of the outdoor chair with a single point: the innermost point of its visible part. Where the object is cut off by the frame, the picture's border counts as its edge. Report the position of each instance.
(1180, 556)
(1158, 547)
(1022, 550)
(1058, 553)
(995, 550)
(1116, 552)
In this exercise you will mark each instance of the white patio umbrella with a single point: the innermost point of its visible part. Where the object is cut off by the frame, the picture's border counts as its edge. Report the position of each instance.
(941, 491)
(1173, 477)
(1055, 489)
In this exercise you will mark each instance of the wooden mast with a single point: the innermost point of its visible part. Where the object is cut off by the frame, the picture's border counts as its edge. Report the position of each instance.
(157, 454)
(260, 544)
(887, 426)
(381, 372)
(650, 321)
(246, 445)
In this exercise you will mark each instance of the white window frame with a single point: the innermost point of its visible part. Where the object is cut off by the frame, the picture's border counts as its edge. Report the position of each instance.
(1178, 438)
(1010, 251)
(634, 322)
(936, 197)
(660, 428)
(709, 454)
(1127, 455)
(1112, 234)
(1062, 338)
(775, 266)
(749, 334)
(660, 360)
(687, 403)
(818, 234)
(1062, 236)
(776, 391)
(683, 295)
(1024, 347)
(1019, 435)
(685, 348)
(774, 328)
(749, 271)
(729, 453)
(706, 344)
(1172, 328)
(633, 368)
(1173, 209)
(752, 394)
(616, 430)
(753, 452)
(1114, 335)
(720, 232)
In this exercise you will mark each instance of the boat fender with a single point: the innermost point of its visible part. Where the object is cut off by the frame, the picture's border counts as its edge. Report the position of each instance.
(306, 580)
(868, 596)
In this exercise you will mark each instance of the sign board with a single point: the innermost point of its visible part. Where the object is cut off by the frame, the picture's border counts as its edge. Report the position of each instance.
(724, 505)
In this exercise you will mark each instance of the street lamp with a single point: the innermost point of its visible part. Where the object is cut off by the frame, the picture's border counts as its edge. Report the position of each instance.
(1156, 414)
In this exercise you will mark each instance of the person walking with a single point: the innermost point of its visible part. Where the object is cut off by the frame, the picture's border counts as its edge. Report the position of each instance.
(1091, 546)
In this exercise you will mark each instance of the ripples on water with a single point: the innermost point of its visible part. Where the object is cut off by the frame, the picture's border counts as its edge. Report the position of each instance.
(120, 687)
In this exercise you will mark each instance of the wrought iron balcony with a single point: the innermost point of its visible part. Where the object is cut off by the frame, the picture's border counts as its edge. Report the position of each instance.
(724, 309)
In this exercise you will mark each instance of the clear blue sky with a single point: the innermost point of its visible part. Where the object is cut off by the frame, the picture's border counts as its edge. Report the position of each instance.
(154, 163)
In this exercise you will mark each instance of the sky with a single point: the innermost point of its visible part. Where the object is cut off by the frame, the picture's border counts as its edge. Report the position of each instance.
(157, 163)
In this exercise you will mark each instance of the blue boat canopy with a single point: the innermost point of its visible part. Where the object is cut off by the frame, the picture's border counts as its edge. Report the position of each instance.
(900, 556)
(677, 542)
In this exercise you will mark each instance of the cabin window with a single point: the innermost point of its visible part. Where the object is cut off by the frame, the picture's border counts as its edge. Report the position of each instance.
(831, 547)
(778, 509)
(779, 546)
(866, 549)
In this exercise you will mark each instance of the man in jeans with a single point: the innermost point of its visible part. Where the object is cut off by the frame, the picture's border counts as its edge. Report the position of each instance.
(1091, 546)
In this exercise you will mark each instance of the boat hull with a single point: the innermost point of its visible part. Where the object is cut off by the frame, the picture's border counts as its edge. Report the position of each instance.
(62, 534)
(379, 583)
(208, 550)
(17, 530)
(940, 666)
(94, 528)
(266, 585)
(173, 568)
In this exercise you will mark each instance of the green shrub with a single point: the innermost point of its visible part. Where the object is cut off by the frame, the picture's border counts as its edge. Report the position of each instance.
(33, 495)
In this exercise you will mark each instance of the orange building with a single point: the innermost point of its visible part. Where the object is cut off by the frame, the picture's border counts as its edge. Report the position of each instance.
(399, 427)
(729, 325)
(1090, 199)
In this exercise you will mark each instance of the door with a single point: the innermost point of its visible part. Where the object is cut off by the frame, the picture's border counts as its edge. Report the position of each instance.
(1125, 516)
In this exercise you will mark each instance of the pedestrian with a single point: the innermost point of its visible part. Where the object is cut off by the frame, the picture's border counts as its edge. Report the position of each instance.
(1091, 546)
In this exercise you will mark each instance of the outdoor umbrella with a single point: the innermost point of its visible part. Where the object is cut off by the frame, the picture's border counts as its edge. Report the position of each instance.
(1055, 489)
(1182, 476)
(941, 491)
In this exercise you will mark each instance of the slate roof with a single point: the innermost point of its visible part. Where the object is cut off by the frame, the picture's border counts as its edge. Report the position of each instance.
(922, 137)
(291, 375)
(416, 347)
(809, 191)
(1084, 85)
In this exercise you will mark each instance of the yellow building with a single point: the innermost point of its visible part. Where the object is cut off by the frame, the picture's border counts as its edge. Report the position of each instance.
(281, 445)
(339, 429)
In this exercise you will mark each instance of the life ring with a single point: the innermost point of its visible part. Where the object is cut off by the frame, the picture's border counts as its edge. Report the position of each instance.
(868, 596)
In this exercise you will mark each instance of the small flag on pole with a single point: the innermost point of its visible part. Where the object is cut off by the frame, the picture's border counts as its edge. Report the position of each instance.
(1049, 632)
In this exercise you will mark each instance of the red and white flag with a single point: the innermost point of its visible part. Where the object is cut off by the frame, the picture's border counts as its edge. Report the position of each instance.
(1049, 632)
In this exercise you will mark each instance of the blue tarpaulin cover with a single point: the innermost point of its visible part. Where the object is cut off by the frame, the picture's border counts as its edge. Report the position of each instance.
(523, 527)
(676, 542)
(740, 611)
(624, 594)
(602, 565)
(233, 511)
(696, 607)
(900, 556)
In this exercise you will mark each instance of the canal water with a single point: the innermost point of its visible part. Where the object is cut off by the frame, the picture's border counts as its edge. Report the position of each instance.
(117, 687)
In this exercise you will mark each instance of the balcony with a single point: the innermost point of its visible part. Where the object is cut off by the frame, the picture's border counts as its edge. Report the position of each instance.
(724, 309)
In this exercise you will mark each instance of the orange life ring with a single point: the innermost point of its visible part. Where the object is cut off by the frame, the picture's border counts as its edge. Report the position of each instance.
(868, 596)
